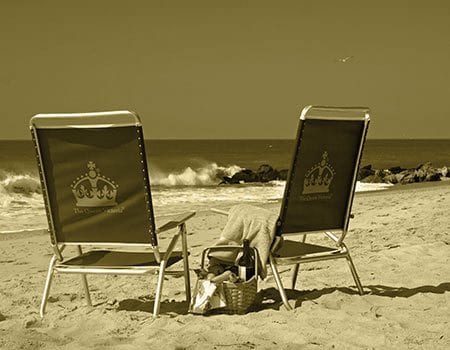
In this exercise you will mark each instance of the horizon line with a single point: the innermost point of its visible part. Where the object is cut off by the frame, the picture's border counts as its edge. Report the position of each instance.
(257, 139)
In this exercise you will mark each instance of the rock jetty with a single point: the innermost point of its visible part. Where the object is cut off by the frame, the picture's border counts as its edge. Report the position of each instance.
(265, 173)
(398, 175)
(394, 175)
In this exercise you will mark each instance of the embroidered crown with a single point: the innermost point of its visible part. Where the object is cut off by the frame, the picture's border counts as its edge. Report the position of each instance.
(93, 189)
(319, 177)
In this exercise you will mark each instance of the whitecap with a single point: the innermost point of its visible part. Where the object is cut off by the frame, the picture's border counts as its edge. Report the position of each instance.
(208, 175)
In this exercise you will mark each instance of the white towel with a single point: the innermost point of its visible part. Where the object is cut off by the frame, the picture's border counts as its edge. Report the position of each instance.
(253, 223)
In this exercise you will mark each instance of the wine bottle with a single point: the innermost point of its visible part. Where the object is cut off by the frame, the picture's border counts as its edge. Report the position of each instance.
(246, 263)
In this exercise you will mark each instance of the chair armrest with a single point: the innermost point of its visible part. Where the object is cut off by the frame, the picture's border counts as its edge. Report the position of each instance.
(177, 221)
(219, 211)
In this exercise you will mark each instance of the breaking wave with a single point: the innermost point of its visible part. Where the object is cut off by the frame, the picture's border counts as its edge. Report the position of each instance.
(20, 183)
(207, 175)
(22, 205)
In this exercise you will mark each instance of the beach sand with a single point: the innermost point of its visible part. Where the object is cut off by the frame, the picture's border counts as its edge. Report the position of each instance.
(400, 243)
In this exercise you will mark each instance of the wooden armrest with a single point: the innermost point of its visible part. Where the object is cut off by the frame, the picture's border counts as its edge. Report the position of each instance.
(219, 211)
(177, 221)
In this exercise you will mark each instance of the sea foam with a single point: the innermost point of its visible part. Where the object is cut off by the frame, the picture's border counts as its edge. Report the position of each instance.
(21, 203)
(22, 206)
(20, 183)
(208, 175)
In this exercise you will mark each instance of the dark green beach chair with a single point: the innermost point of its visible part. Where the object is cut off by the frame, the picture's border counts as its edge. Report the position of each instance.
(319, 190)
(97, 195)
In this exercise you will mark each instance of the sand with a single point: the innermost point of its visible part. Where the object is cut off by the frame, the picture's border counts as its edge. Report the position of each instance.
(400, 242)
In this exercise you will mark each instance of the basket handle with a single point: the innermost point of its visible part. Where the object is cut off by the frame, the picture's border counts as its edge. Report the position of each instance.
(230, 248)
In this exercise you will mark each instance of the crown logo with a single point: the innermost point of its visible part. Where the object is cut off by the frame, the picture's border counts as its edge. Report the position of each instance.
(93, 189)
(319, 177)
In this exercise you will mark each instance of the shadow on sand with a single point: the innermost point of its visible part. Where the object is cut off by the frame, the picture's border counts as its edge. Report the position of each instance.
(145, 304)
(270, 298)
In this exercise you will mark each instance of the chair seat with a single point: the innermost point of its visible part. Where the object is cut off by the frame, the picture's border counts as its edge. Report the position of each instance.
(116, 260)
(294, 251)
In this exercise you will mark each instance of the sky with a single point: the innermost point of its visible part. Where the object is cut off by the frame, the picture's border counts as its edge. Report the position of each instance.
(227, 69)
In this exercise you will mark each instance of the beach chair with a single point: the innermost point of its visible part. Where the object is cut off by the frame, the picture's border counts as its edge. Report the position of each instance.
(319, 190)
(96, 191)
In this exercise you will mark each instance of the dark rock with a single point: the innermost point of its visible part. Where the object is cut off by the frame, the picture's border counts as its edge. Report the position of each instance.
(433, 177)
(382, 173)
(407, 178)
(396, 169)
(372, 179)
(227, 180)
(245, 175)
(426, 172)
(394, 175)
(266, 173)
(365, 171)
(2, 317)
(283, 174)
(397, 174)
(391, 178)
(399, 177)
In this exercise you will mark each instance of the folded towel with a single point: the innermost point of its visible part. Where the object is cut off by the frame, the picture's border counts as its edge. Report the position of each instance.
(253, 223)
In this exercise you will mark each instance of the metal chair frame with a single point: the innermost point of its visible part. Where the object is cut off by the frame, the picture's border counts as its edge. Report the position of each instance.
(58, 263)
(337, 235)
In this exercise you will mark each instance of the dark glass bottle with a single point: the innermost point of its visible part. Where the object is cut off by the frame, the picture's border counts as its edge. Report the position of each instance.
(246, 263)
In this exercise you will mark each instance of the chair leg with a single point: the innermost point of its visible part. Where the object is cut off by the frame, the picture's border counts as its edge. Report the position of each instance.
(280, 287)
(85, 283)
(162, 270)
(295, 269)
(48, 283)
(354, 273)
(86, 290)
(187, 280)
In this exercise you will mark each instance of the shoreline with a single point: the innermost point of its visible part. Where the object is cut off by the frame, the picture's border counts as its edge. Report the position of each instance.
(393, 188)
(412, 186)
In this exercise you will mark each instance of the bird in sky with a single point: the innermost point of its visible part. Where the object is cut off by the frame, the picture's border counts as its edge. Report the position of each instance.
(345, 59)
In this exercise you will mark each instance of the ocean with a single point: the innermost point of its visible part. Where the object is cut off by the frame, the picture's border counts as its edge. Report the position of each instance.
(185, 173)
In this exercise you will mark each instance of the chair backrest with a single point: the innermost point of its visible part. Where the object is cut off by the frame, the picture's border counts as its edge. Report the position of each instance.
(94, 177)
(322, 178)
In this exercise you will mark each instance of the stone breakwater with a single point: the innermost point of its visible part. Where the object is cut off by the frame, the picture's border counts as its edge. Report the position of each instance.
(394, 175)
(264, 173)
(398, 175)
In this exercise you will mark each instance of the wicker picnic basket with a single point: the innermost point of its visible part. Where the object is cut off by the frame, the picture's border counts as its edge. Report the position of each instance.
(239, 296)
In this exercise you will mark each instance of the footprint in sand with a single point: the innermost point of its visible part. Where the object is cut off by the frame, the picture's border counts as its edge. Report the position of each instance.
(332, 303)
